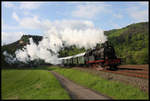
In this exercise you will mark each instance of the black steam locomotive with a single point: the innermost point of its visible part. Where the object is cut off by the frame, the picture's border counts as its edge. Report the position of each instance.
(102, 55)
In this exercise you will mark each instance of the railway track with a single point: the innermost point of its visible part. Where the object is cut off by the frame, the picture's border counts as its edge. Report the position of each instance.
(135, 71)
(127, 73)
(136, 79)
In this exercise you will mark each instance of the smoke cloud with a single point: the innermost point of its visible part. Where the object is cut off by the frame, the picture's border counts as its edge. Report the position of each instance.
(9, 58)
(81, 34)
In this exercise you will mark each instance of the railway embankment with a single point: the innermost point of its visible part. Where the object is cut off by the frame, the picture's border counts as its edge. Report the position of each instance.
(128, 74)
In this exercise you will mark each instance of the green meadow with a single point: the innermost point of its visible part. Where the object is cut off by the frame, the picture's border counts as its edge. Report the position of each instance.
(39, 83)
(31, 84)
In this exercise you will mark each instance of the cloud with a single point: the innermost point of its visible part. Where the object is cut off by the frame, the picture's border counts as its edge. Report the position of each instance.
(15, 16)
(6, 27)
(30, 22)
(89, 10)
(29, 5)
(143, 3)
(23, 5)
(34, 22)
(119, 16)
(9, 37)
(9, 5)
(27, 13)
(138, 13)
(73, 24)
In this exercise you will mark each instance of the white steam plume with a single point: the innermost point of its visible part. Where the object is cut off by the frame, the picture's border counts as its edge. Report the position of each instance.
(9, 58)
(86, 36)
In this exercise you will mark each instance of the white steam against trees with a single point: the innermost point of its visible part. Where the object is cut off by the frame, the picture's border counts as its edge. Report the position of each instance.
(85, 35)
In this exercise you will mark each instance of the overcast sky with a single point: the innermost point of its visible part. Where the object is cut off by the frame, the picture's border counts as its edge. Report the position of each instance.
(20, 18)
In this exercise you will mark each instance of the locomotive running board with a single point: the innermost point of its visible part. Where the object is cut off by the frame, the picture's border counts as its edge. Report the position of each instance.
(95, 61)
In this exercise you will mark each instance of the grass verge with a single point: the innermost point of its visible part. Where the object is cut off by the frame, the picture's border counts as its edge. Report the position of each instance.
(31, 84)
(114, 89)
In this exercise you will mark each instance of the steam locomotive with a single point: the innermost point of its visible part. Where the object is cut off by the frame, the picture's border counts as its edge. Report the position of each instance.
(101, 56)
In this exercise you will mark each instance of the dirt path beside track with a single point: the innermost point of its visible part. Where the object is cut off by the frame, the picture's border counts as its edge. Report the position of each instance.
(76, 91)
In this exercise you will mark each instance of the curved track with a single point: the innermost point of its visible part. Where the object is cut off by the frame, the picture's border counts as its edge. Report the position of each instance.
(141, 71)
